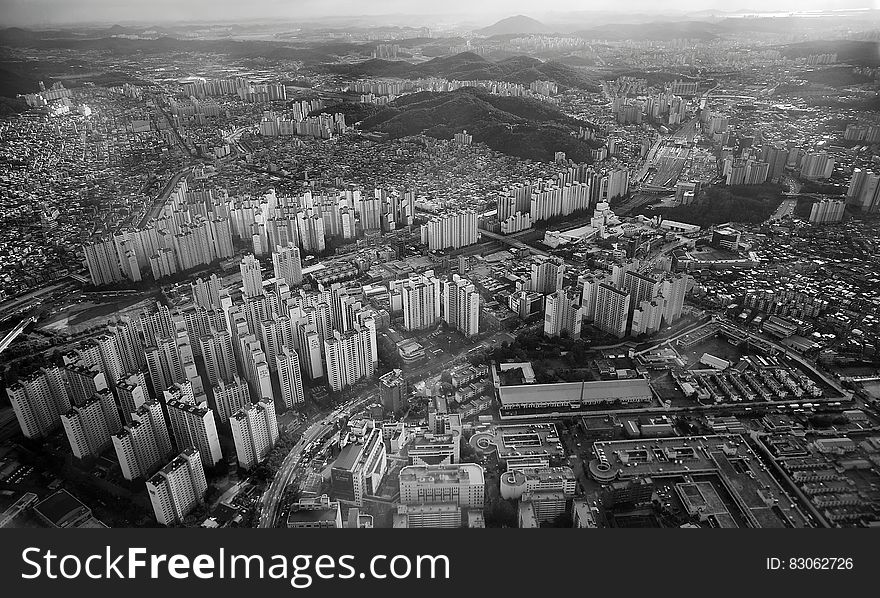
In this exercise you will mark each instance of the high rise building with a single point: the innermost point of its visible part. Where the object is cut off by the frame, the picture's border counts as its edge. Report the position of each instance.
(673, 289)
(288, 266)
(393, 390)
(563, 313)
(864, 191)
(290, 377)
(129, 345)
(194, 425)
(132, 393)
(452, 230)
(612, 310)
(230, 396)
(589, 293)
(648, 316)
(206, 292)
(36, 404)
(87, 427)
(102, 262)
(255, 431)
(178, 487)
(84, 382)
(351, 356)
(641, 287)
(219, 356)
(420, 299)
(827, 211)
(111, 362)
(142, 445)
(547, 275)
(251, 276)
(359, 468)
(461, 305)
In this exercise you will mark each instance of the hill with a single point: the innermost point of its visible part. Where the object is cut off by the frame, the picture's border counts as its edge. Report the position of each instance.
(855, 52)
(520, 127)
(516, 24)
(468, 66)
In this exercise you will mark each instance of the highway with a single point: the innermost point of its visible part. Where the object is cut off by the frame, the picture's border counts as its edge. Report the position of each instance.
(13, 334)
(512, 242)
(286, 474)
(159, 202)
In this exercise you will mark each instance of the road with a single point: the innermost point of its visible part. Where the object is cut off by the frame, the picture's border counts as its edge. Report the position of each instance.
(512, 242)
(785, 210)
(287, 472)
(159, 203)
(13, 334)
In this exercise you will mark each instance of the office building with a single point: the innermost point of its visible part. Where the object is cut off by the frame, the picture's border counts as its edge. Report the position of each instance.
(359, 468)
(318, 512)
(393, 390)
(462, 485)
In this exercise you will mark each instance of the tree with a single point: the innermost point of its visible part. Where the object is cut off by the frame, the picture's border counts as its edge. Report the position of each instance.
(501, 513)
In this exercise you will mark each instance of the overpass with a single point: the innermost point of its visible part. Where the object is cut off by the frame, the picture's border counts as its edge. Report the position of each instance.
(22, 504)
(13, 334)
(512, 242)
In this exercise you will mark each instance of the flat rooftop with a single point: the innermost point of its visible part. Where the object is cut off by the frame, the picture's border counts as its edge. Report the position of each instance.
(464, 473)
(575, 392)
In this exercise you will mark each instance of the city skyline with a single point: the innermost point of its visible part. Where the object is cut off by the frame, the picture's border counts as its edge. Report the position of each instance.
(405, 272)
(64, 12)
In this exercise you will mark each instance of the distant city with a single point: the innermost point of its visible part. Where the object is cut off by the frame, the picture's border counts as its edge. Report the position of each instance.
(365, 275)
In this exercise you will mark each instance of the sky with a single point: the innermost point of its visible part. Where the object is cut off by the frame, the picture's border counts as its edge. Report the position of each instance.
(55, 12)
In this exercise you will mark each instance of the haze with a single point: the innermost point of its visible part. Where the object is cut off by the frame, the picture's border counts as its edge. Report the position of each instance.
(58, 12)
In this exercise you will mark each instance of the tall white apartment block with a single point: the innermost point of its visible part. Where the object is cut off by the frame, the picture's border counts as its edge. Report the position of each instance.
(255, 432)
(563, 313)
(38, 400)
(251, 276)
(290, 377)
(452, 230)
(87, 428)
(193, 425)
(461, 305)
(612, 310)
(178, 487)
(420, 296)
(288, 265)
(230, 396)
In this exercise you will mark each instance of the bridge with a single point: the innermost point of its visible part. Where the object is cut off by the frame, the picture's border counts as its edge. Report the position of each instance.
(13, 334)
(512, 242)
(22, 504)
